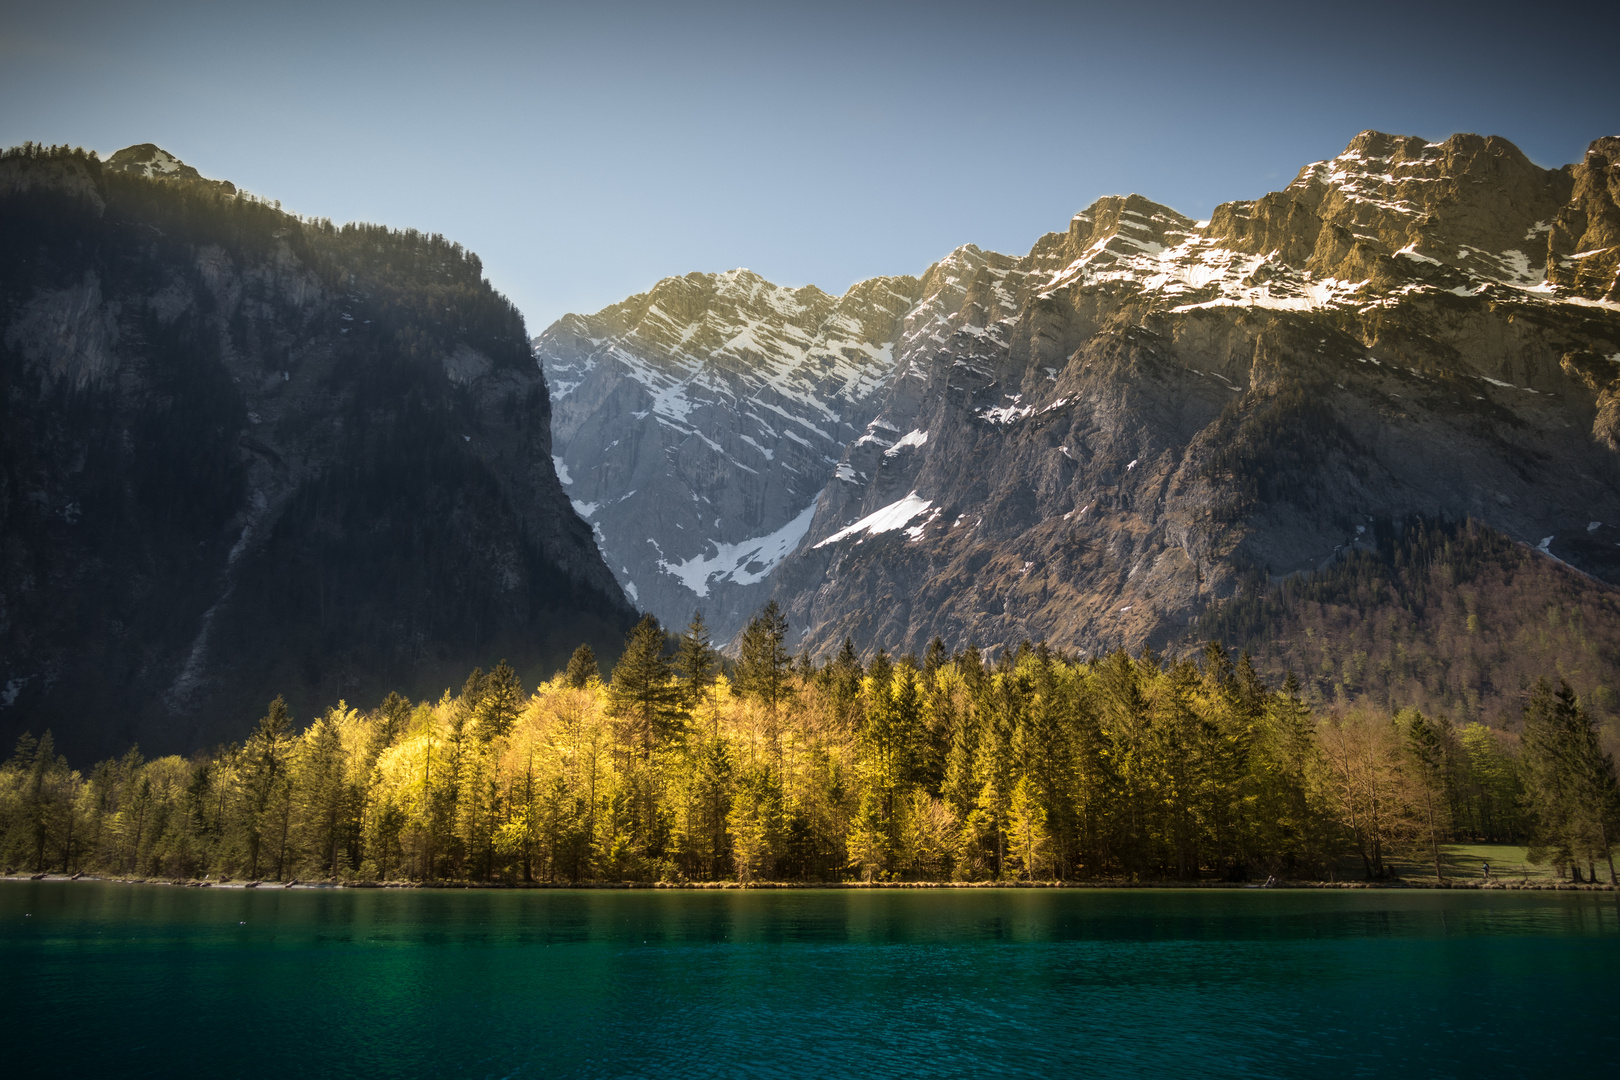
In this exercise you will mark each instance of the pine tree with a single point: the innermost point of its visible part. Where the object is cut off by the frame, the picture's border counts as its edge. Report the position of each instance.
(755, 823)
(764, 671)
(1570, 781)
(582, 668)
(264, 778)
(696, 663)
(1426, 756)
(324, 799)
(764, 667)
(1026, 826)
(935, 658)
(643, 693)
(842, 678)
(498, 707)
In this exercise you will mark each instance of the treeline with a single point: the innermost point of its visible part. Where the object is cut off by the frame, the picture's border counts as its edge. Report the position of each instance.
(680, 766)
(424, 292)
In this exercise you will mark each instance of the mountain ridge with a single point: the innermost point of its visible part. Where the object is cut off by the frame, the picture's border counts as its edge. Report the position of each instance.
(1408, 327)
(248, 454)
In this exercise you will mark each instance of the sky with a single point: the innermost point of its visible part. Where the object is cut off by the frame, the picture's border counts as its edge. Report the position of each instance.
(586, 151)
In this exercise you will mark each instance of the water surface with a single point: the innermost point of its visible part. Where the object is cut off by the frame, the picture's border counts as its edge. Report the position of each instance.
(125, 980)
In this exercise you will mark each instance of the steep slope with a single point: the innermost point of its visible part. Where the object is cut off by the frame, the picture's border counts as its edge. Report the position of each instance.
(245, 454)
(1452, 618)
(1122, 427)
(696, 423)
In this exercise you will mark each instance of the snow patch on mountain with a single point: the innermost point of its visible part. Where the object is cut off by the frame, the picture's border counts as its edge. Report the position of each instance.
(745, 563)
(896, 515)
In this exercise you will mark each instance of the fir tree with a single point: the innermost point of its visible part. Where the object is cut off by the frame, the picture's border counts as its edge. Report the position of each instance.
(264, 778)
(1426, 753)
(643, 693)
(582, 668)
(499, 704)
(696, 662)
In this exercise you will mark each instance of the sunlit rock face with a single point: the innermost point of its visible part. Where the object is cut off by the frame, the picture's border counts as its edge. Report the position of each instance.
(1170, 411)
(1143, 416)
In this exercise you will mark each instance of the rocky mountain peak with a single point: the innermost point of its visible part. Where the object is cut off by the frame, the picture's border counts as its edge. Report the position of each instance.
(261, 455)
(154, 162)
(715, 405)
(1094, 441)
(1584, 243)
(1132, 393)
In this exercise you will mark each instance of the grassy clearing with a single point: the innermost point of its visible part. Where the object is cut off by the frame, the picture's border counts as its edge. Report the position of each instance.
(1465, 862)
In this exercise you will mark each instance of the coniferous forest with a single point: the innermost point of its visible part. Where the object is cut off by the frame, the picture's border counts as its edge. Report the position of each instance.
(679, 766)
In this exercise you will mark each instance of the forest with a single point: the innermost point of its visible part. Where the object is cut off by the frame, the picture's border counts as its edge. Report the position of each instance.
(683, 766)
(1451, 617)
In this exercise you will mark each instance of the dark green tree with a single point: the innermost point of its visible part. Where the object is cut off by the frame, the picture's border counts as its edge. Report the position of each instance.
(696, 662)
(582, 668)
(265, 780)
(498, 707)
(1426, 754)
(765, 670)
(643, 693)
(1570, 782)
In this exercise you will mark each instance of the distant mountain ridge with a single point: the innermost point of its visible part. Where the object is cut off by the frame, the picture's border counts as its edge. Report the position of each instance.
(1096, 441)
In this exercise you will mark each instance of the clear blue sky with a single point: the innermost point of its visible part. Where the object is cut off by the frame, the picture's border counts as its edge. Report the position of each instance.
(585, 153)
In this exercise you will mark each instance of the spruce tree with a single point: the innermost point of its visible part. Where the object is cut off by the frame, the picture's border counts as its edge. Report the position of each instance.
(935, 658)
(755, 823)
(764, 666)
(765, 669)
(696, 662)
(582, 668)
(842, 678)
(1570, 781)
(643, 693)
(1426, 757)
(264, 776)
(498, 707)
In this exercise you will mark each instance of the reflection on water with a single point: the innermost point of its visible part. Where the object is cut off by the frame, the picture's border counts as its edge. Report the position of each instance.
(154, 981)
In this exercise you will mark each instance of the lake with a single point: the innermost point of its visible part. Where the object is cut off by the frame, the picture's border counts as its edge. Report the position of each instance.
(135, 980)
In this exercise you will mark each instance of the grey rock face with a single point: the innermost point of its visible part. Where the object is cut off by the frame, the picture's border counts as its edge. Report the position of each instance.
(695, 425)
(1144, 412)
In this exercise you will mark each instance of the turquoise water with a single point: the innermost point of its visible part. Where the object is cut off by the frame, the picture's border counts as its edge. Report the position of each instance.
(151, 981)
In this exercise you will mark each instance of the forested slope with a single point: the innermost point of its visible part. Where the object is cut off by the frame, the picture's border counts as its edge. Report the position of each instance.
(243, 453)
(1450, 617)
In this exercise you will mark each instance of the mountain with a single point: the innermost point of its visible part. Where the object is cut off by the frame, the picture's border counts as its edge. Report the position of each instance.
(1410, 328)
(1148, 417)
(247, 454)
(694, 425)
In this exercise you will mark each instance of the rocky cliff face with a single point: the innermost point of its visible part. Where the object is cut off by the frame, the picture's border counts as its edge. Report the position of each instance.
(246, 454)
(1143, 417)
(1146, 412)
(696, 424)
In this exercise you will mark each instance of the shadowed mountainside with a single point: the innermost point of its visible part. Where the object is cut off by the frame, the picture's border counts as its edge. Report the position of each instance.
(247, 454)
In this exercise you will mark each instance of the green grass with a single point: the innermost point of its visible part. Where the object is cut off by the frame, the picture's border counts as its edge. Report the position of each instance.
(1464, 862)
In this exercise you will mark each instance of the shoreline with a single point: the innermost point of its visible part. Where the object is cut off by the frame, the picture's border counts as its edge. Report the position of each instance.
(699, 886)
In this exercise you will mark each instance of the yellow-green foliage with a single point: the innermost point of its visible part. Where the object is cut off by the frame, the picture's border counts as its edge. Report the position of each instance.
(1037, 767)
